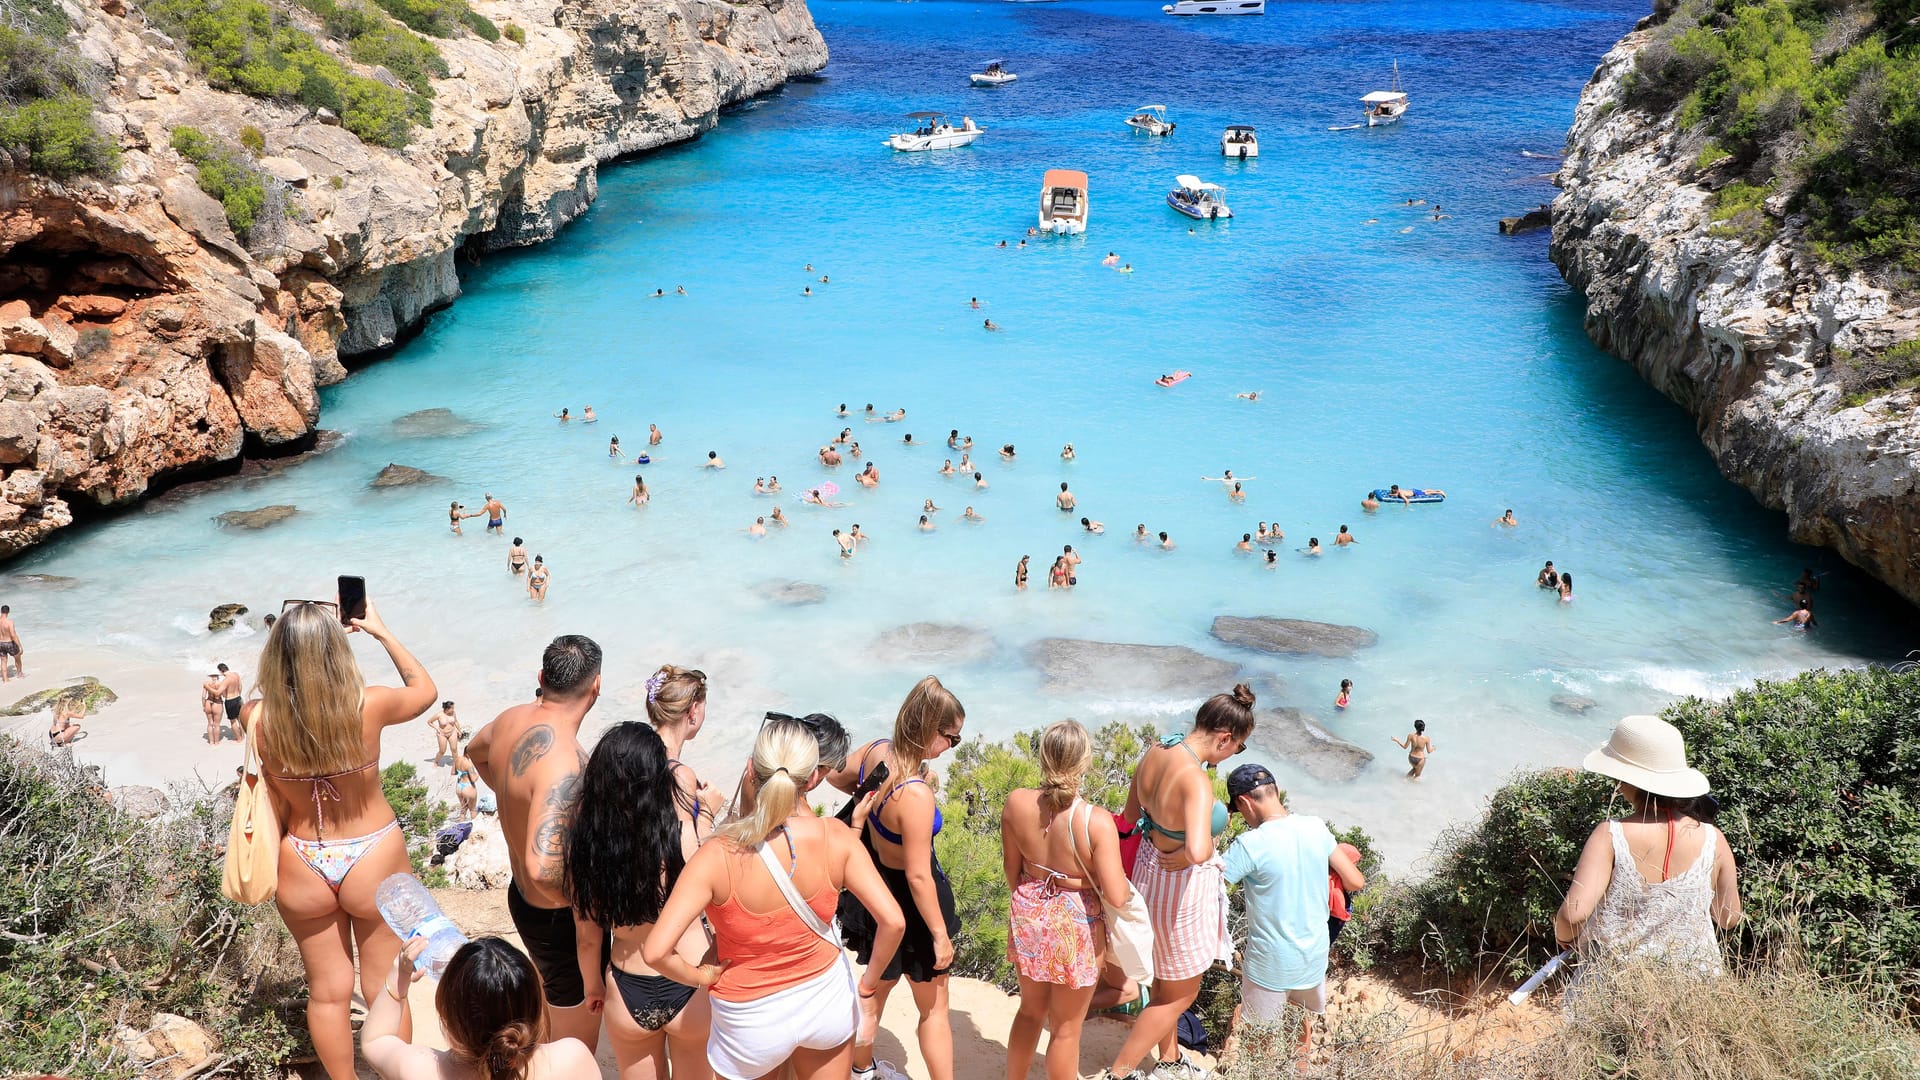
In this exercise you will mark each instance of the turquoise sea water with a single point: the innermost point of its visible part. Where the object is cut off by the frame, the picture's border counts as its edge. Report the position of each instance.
(1390, 347)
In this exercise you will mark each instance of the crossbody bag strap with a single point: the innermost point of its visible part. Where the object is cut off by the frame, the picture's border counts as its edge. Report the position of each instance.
(1073, 840)
(799, 906)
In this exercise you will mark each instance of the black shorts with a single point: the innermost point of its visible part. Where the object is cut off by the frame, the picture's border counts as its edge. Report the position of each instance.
(915, 957)
(233, 708)
(546, 935)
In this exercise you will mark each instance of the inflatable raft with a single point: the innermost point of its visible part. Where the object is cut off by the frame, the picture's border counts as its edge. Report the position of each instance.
(1419, 495)
(1173, 379)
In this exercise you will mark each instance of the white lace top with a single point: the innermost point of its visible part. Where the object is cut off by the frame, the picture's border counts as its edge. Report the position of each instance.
(1671, 919)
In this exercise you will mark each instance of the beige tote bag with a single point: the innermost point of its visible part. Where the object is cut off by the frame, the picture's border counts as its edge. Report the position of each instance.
(1129, 931)
(252, 869)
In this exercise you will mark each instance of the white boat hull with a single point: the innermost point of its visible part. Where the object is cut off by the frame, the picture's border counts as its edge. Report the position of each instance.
(981, 79)
(945, 140)
(1239, 150)
(1216, 7)
(1205, 211)
(1383, 119)
(1151, 127)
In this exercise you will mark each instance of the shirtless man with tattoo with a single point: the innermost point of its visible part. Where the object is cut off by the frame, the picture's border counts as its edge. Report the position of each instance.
(531, 757)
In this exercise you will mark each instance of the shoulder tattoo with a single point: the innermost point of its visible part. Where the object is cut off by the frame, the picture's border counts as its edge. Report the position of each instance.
(533, 746)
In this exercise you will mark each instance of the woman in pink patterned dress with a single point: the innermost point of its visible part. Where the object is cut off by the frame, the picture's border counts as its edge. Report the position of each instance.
(1058, 934)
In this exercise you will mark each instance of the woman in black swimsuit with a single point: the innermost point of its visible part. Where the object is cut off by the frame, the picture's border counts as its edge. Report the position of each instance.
(626, 848)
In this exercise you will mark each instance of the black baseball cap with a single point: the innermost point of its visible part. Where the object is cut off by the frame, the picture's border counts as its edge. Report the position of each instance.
(1246, 778)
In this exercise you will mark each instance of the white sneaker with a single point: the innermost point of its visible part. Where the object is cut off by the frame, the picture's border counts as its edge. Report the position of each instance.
(1180, 1068)
(888, 1071)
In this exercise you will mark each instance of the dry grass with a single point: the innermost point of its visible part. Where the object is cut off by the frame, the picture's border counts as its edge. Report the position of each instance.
(1776, 1021)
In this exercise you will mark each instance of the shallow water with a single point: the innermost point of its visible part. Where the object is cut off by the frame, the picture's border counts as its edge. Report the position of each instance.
(1405, 350)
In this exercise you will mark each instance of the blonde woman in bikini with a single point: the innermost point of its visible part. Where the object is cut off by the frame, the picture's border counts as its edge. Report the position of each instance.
(1417, 746)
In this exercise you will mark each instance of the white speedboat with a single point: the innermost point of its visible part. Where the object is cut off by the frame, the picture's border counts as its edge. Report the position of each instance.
(1151, 119)
(1215, 7)
(1239, 141)
(1198, 199)
(995, 75)
(1063, 202)
(1386, 106)
(934, 133)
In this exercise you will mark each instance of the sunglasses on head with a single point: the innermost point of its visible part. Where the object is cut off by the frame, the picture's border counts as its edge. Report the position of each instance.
(289, 605)
(811, 721)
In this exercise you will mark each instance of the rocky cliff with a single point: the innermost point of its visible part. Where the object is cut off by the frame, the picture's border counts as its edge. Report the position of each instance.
(139, 336)
(1744, 328)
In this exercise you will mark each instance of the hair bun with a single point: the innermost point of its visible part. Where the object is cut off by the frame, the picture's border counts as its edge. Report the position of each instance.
(509, 1051)
(1243, 694)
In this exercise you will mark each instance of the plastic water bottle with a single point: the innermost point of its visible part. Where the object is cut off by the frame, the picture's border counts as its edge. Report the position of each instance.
(409, 909)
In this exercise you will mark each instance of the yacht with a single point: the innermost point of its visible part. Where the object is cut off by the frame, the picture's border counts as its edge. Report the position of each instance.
(1386, 106)
(1239, 141)
(1198, 199)
(1151, 119)
(995, 75)
(935, 133)
(1063, 202)
(1215, 7)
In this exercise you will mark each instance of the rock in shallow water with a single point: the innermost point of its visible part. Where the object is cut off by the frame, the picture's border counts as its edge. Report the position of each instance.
(222, 617)
(257, 519)
(930, 642)
(433, 424)
(402, 476)
(1305, 744)
(1572, 703)
(791, 593)
(1107, 669)
(90, 691)
(1297, 637)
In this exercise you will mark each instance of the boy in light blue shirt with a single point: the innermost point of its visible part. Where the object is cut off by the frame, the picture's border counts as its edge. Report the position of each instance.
(1281, 866)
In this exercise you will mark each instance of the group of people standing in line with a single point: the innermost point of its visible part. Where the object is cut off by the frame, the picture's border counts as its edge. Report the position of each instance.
(708, 932)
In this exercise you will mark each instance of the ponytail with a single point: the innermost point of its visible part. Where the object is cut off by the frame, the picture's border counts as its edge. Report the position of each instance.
(1066, 752)
(508, 1052)
(784, 757)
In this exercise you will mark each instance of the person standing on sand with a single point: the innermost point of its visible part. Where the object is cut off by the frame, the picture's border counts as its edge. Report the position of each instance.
(1418, 747)
(496, 515)
(210, 704)
(10, 648)
(1281, 864)
(530, 756)
(1055, 919)
(465, 782)
(446, 733)
(318, 729)
(230, 695)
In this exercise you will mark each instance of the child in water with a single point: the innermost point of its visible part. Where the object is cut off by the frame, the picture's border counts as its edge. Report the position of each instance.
(1346, 690)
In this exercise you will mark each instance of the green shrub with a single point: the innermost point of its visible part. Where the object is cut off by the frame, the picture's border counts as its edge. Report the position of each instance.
(242, 45)
(515, 34)
(1739, 212)
(1710, 155)
(57, 136)
(373, 39)
(419, 814)
(108, 919)
(93, 341)
(225, 175)
(253, 139)
(481, 25)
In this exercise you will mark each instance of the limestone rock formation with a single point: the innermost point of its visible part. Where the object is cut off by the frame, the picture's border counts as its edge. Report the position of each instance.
(172, 1047)
(141, 340)
(925, 642)
(1538, 218)
(1572, 703)
(89, 691)
(257, 519)
(1309, 747)
(433, 424)
(1297, 637)
(791, 593)
(1743, 332)
(481, 862)
(1106, 669)
(394, 476)
(222, 617)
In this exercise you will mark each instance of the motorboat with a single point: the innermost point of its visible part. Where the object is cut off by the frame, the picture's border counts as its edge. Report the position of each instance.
(1151, 119)
(935, 133)
(1240, 142)
(1386, 106)
(1215, 7)
(1063, 202)
(995, 75)
(1199, 199)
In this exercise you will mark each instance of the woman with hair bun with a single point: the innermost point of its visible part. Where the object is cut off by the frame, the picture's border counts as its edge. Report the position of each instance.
(1057, 929)
(1180, 874)
(902, 820)
(677, 705)
(624, 851)
(492, 1012)
(782, 990)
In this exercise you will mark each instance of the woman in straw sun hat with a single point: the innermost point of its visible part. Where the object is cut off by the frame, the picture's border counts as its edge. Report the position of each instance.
(1654, 882)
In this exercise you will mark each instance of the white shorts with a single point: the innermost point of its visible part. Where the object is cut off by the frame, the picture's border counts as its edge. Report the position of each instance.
(750, 1039)
(1259, 1005)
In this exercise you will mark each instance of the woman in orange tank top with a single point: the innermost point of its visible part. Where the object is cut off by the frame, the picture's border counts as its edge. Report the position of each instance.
(782, 993)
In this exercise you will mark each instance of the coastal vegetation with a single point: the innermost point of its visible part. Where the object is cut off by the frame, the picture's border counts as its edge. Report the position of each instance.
(225, 174)
(47, 97)
(1819, 98)
(373, 39)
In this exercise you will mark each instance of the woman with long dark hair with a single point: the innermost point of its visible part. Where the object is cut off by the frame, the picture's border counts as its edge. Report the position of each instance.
(492, 1012)
(626, 848)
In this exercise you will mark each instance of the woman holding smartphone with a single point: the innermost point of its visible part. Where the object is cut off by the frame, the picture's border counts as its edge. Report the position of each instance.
(318, 728)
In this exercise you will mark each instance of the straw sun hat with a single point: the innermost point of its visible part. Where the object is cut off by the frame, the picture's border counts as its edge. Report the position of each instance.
(1650, 754)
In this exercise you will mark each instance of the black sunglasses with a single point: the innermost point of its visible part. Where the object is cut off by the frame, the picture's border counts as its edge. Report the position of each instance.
(289, 605)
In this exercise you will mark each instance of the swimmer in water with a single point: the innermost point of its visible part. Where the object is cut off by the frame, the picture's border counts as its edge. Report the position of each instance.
(1111, 260)
(1020, 574)
(843, 410)
(1060, 576)
(517, 557)
(966, 444)
(1248, 395)
(564, 415)
(773, 484)
(971, 516)
(1274, 534)
(680, 289)
(1127, 269)
(1549, 578)
(1346, 694)
(870, 412)
(807, 268)
(953, 439)
(974, 303)
(823, 279)
(853, 448)
(1002, 243)
(966, 463)
(1260, 535)
(1064, 500)
(1093, 526)
(779, 518)
(1273, 559)
(1166, 542)
(1066, 452)
(926, 524)
(946, 467)
(653, 435)
(908, 440)
(989, 324)
(857, 534)
(1140, 533)
(1313, 546)
(1505, 519)
(845, 542)
(829, 457)
(1245, 544)
(808, 291)
(538, 579)
(870, 475)
(1226, 477)
(586, 415)
(928, 507)
(979, 482)
(1802, 617)
(896, 416)
(1566, 588)
(758, 528)
(1236, 494)
(713, 461)
(1417, 746)
(1007, 452)
(658, 293)
(1369, 504)
(613, 448)
(640, 493)
(760, 485)
(1344, 538)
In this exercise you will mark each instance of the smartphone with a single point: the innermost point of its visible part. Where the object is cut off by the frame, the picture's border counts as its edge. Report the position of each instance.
(353, 598)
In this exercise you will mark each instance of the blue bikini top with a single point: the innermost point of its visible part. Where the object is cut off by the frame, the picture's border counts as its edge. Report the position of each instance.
(1148, 825)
